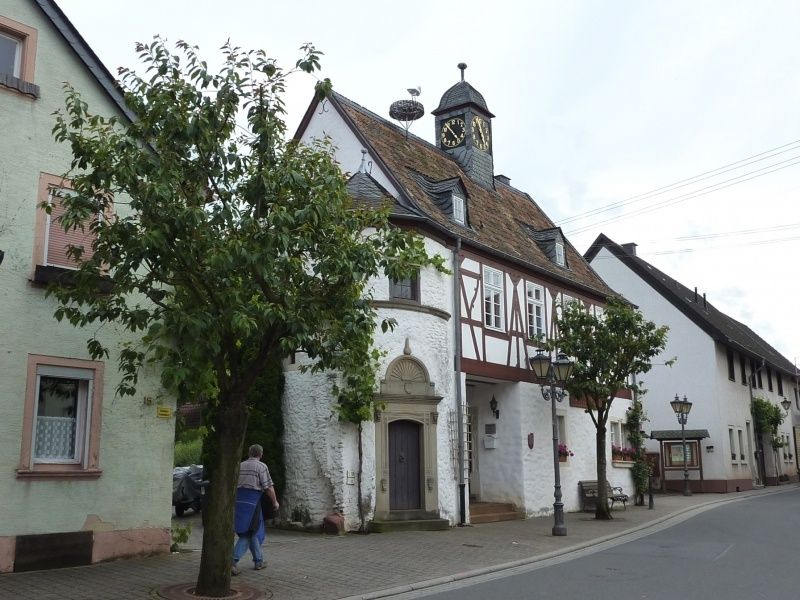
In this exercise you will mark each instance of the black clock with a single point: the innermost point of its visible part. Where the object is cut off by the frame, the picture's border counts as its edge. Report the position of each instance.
(481, 136)
(453, 132)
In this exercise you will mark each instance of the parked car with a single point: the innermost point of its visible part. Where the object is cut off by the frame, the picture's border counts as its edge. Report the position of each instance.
(188, 488)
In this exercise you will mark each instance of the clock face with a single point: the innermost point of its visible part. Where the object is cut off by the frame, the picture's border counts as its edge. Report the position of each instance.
(453, 133)
(481, 136)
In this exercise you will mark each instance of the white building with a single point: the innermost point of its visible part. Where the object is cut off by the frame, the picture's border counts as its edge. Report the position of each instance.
(462, 343)
(721, 364)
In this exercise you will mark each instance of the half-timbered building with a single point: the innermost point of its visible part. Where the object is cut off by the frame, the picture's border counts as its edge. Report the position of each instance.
(462, 422)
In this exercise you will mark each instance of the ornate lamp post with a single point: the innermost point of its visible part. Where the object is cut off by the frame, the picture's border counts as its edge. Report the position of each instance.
(682, 408)
(786, 404)
(554, 373)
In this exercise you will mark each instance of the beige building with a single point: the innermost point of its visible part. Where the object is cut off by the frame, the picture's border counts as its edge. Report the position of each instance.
(84, 476)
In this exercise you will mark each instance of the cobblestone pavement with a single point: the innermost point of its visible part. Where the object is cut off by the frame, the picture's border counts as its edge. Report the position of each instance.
(304, 566)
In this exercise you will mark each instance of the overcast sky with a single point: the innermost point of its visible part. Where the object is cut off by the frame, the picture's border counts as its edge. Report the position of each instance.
(596, 102)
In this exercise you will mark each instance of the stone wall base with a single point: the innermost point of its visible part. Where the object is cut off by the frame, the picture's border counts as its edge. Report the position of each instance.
(709, 486)
(33, 552)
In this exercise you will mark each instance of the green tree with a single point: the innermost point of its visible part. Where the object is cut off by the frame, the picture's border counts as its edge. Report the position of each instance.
(607, 350)
(238, 247)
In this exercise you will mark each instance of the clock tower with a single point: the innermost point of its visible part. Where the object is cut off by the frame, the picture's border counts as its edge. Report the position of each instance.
(464, 130)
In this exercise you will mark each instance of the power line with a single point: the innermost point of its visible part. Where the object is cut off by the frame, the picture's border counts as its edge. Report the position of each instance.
(694, 194)
(684, 182)
(726, 246)
(707, 236)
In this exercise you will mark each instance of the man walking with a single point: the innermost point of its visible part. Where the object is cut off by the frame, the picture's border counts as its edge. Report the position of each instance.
(254, 482)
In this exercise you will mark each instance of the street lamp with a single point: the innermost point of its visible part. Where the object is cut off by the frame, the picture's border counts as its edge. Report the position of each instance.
(682, 408)
(554, 373)
(786, 404)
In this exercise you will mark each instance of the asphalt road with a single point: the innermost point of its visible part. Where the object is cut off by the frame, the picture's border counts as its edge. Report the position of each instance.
(744, 550)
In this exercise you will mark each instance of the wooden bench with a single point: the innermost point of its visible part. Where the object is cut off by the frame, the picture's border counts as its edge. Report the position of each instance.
(588, 493)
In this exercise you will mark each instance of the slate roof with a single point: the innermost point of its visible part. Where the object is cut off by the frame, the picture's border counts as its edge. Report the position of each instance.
(500, 219)
(365, 189)
(85, 53)
(719, 326)
(675, 434)
(460, 95)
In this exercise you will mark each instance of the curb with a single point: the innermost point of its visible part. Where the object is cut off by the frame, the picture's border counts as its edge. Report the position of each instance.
(429, 583)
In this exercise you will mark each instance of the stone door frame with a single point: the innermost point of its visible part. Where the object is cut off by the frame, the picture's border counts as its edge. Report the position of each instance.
(407, 394)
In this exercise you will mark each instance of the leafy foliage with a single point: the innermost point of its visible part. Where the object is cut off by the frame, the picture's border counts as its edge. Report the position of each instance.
(767, 416)
(607, 349)
(265, 423)
(641, 471)
(226, 247)
(188, 452)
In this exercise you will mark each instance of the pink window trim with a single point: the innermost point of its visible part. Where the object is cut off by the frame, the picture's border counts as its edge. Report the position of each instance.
(27, 467)
(46, 182)
(50, 240)
(28, 36)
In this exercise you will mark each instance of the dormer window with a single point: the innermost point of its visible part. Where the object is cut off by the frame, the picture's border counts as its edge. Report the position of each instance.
(459, 210)
(560, 258)
(551, 242)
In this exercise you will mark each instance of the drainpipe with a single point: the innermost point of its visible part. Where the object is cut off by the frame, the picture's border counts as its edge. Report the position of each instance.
(462, 486)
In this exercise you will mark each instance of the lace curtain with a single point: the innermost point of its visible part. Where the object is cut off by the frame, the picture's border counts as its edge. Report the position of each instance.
(55, 437)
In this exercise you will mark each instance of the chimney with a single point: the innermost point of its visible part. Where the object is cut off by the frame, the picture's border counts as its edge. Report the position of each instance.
(630, 248)
(695, 293)
(704, 301)
(503, 179)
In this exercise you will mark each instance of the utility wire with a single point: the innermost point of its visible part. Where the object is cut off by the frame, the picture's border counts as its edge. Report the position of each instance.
(707, 236)
(726, 246)
(694, 194)
(684, 182)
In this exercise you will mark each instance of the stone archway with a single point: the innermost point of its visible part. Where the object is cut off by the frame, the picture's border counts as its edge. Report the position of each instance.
(410, 405)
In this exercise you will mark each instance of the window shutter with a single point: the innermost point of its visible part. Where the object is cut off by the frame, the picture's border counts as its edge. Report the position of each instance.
(58, 240)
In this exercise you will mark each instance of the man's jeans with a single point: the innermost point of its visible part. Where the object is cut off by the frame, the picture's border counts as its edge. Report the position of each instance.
(243, 543)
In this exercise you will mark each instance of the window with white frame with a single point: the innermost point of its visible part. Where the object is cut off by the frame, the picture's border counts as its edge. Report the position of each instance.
(535, 308)
(562, 429)
(63, 406)
(742, 455)
(620, 445)
(17, 56)
(61, 409)
(560, 256)
(732, 442)
(493, 298)
(10, 55)
(459, 210)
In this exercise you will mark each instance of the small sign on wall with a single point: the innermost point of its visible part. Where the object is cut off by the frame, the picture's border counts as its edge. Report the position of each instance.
(163, 412)
(530, 440)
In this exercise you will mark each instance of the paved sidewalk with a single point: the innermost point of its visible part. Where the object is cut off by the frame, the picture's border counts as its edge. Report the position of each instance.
(314, 567)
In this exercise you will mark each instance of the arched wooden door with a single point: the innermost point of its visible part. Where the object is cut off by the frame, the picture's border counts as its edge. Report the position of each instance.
(404, 465)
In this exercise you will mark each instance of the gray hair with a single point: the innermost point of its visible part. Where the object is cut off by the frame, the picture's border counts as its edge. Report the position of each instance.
(256, 451)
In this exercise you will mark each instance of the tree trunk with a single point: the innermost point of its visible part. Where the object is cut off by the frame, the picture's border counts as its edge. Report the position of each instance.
(227, 437)
(602, 511)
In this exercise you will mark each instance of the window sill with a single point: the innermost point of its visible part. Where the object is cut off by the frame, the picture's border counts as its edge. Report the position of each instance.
(622, 464)
(18, 85)
(47, 274)
(412, 306)
(58, 472)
